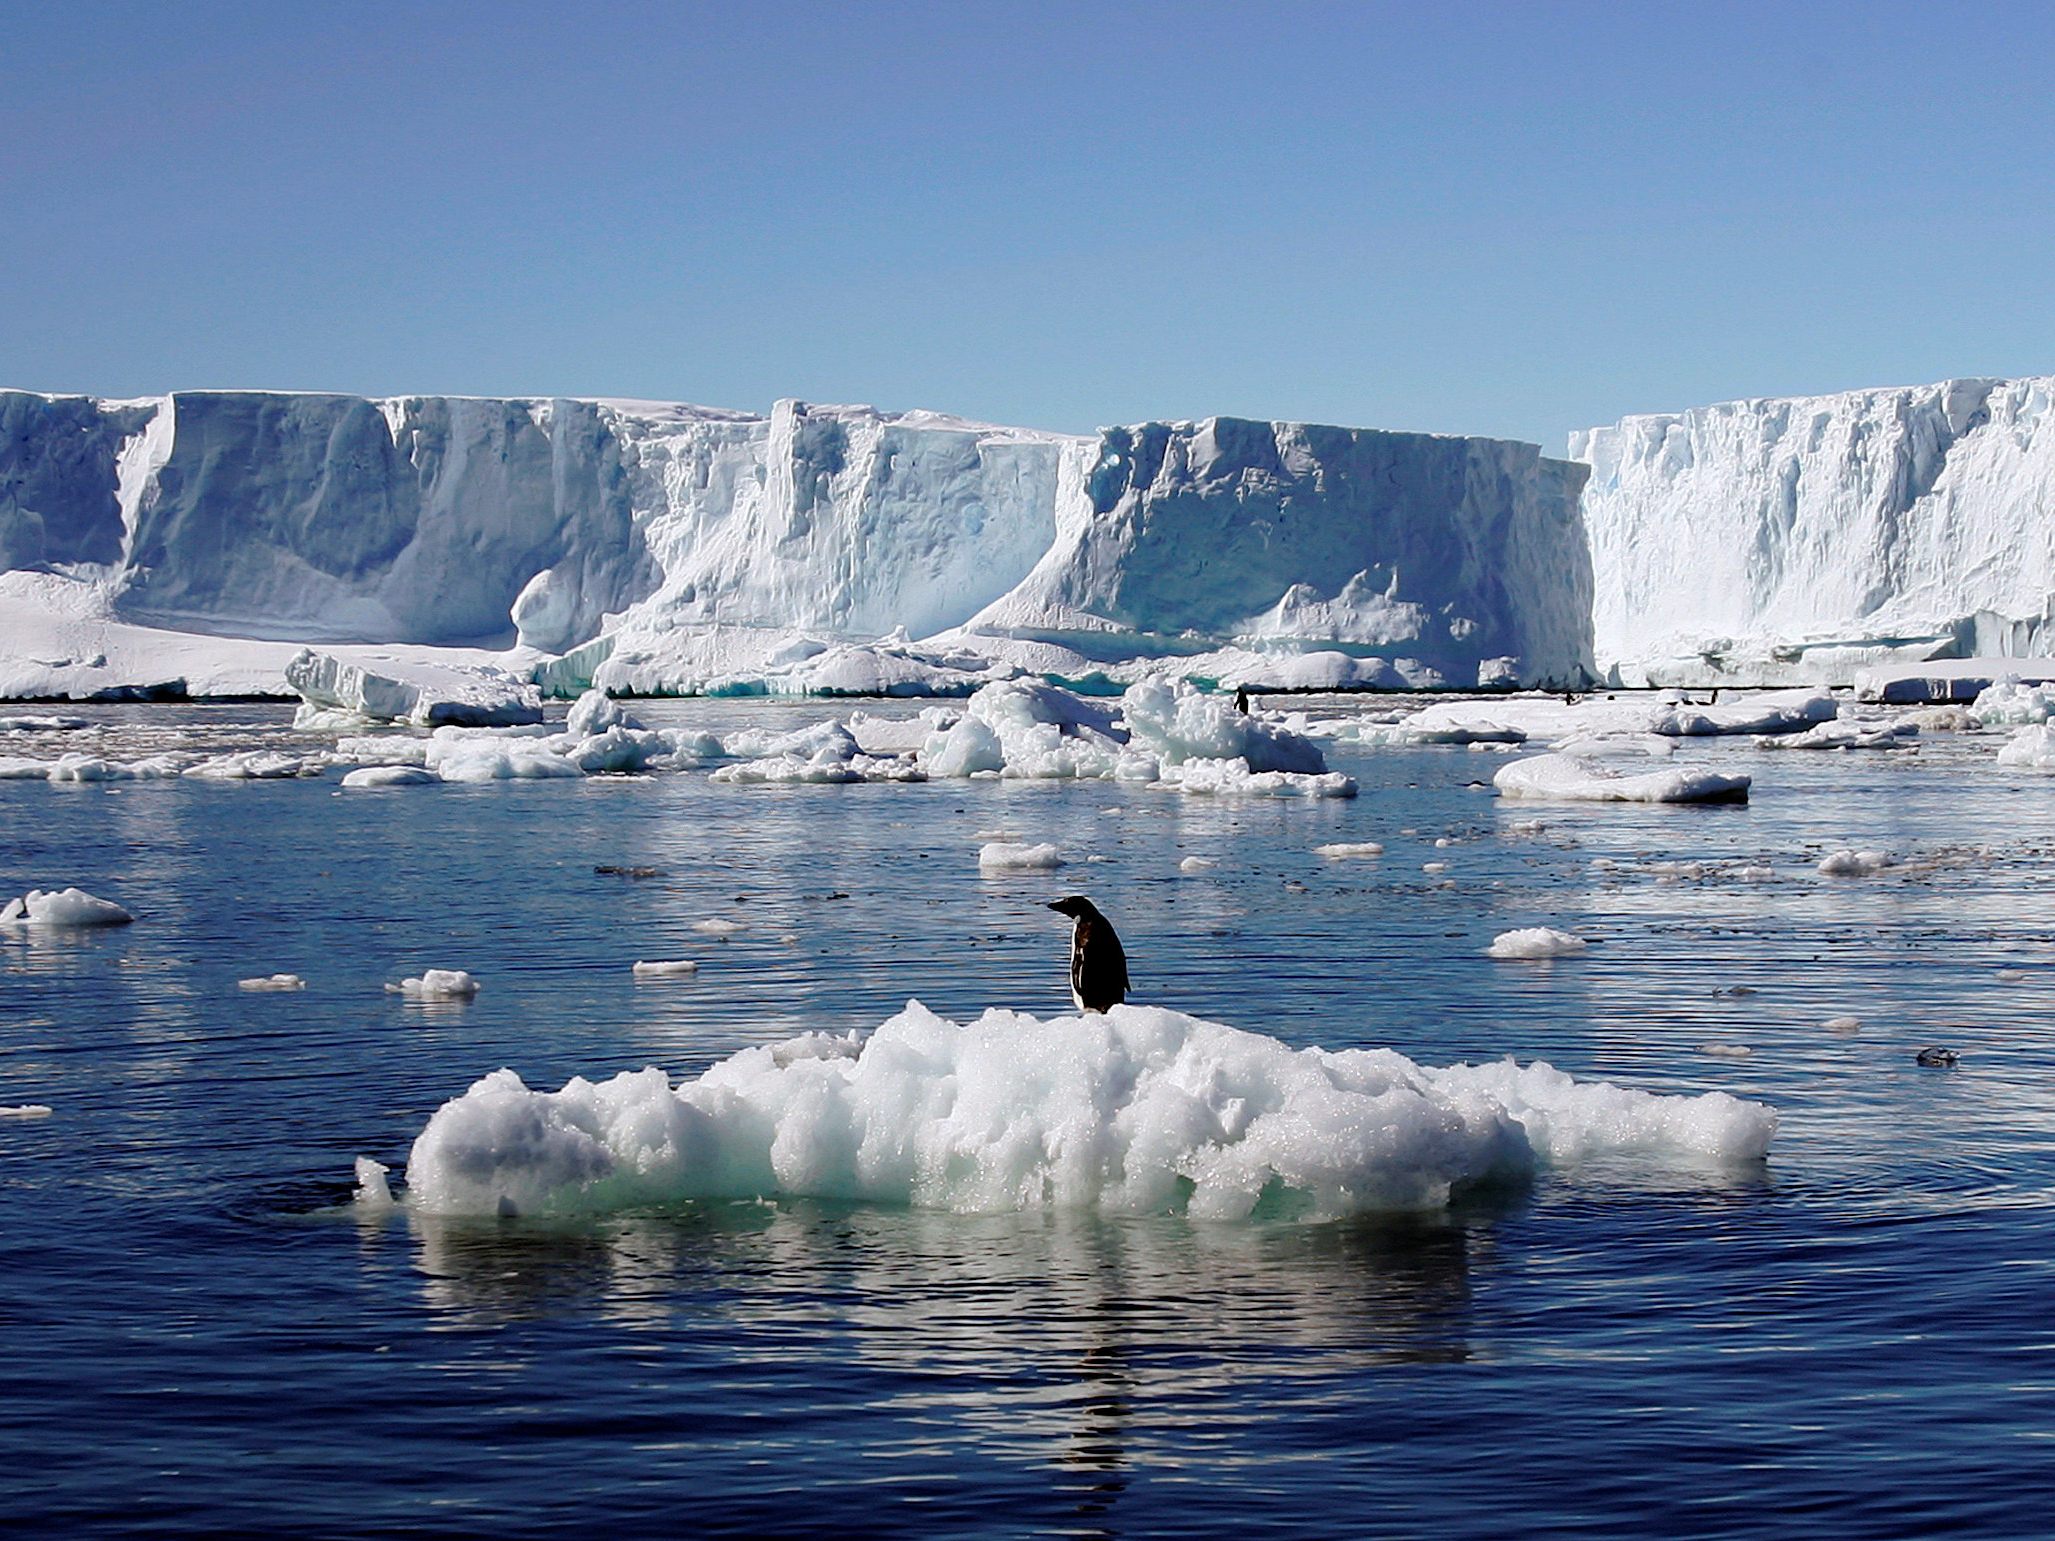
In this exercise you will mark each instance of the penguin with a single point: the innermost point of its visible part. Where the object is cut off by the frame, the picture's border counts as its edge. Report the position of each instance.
(1098, 966)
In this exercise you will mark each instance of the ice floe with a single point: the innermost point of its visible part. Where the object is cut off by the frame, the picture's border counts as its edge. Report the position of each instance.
(669, 968)
(1343, 850)
(437, 984)
(65, 907)
(272, 982)
(2030, 749)
(1535, 942)
(1003, 856)
(1137, 1110)
(1855, 864)
(1567, 778)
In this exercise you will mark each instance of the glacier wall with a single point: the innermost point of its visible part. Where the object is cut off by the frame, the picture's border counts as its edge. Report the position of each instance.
(447, 521)
(1803, 538)
(1465, 557)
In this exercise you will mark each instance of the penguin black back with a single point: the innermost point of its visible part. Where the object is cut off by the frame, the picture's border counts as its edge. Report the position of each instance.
(1098, 965)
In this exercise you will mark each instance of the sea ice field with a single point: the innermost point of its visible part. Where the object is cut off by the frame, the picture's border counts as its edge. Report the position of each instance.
(693, 1133)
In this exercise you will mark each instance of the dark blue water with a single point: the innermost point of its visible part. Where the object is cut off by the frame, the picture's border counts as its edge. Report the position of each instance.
(201, 1336)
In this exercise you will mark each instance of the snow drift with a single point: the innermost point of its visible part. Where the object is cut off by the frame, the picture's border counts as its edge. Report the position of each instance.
(665, 547)
(1139, 1110)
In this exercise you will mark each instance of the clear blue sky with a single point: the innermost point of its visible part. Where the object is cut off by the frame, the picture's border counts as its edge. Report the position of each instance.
(1505, 219)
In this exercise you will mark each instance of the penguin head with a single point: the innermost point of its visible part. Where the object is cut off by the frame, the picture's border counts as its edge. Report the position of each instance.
(1076, 906)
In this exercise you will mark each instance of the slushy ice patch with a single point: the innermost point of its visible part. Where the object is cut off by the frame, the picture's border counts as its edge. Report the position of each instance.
(1139, 1110)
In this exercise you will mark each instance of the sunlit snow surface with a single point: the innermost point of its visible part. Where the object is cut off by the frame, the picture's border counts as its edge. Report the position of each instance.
(1666, 1341)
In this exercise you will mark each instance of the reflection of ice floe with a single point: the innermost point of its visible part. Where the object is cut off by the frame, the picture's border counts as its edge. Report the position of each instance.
(67, 907)
(1137, 1110)
(1567, 778)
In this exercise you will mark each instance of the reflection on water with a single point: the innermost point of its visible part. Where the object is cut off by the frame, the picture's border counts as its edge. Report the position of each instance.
(1622, 1349)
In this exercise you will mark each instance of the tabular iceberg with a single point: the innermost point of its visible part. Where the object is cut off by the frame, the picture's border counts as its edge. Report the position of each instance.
(1801, 540)
(648, 546)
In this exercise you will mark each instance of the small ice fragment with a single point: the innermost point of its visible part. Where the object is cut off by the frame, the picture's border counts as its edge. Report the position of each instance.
(1196, 864)
(1434, 866)
(665, 969)
(272, 982)
(437, 984)
(2011, 975)
(373, 1191)
(717, 927)
(1726, 1050)
(1856, 864)
(1534, 942)
(1442, 842)
(1843, 1025)
(26, 1110)
(1526, 827)
(1009, 857)
(1339, 849)
(1754, 874)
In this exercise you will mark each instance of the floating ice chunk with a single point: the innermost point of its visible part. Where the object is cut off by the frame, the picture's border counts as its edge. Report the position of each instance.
(1197, 864)
(1843, 1025)
(1434, 866)
(665, 969)
(1136, 1110)
(1568, 779)
(2031, 749)
(1178, 722)
(375, 776)
(1856, 864)
(1341, 850)
(43, 724)
(1754, 874)
(2010, 702)
(68, 907)
(373, 1191)
(1233, 778)
(26, 1110)
(437, 984)
(1534, 942)
(1783, 711)
(717, 927)
(455, 755)
(254, 765)
(2011, 975)
(1004, 856)
(1847, 733)
(1726, 1050)
(430, 693)
(596, 712)
(272, 982)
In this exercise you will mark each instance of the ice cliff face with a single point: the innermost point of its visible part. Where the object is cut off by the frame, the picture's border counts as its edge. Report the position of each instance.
(1801, 538)
(1463, 557)
(652, 526)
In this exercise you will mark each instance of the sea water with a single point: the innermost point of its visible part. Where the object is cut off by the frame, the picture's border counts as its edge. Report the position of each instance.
(205, 1334)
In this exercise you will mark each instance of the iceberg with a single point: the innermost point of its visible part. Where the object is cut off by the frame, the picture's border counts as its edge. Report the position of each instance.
(665, 548)
(1806, 539)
